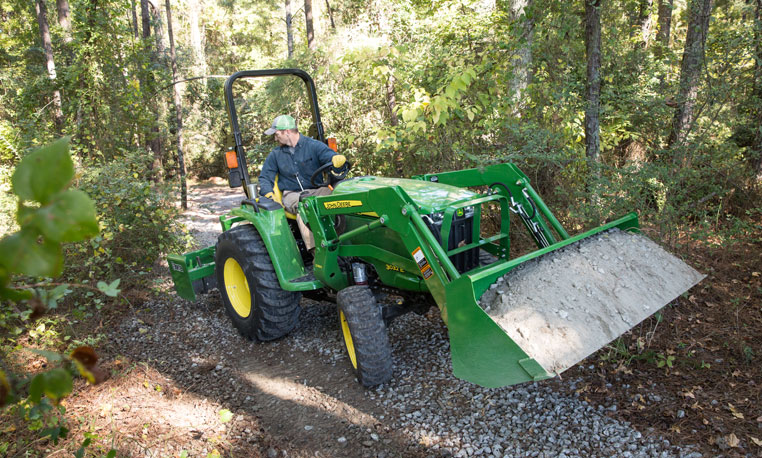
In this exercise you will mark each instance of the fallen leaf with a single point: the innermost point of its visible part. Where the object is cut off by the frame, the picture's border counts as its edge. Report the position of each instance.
(736, 373)
(675, 429)
(756, 441)
(732, 440)
(689, 394)
(759, 419)
(755, 274)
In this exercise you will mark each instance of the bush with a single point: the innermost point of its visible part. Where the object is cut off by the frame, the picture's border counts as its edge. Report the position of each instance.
(136, 218)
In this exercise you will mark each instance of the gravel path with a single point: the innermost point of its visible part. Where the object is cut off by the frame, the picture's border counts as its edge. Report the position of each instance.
(304, 397)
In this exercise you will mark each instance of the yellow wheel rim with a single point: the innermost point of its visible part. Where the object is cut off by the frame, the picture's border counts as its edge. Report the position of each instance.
(237, 287)
(348, 339)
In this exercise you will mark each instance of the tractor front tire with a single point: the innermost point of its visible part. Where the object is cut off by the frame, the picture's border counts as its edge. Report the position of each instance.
(249, 287)
(365, 335)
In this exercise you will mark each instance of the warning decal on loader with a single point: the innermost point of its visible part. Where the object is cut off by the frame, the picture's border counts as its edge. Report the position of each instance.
(423, 264)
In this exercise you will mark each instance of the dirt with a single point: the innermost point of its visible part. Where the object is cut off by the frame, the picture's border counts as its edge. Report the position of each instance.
(563, 306)
(177, 367)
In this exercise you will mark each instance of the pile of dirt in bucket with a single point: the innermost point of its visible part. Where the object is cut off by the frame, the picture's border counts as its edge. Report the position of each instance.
(563, 306)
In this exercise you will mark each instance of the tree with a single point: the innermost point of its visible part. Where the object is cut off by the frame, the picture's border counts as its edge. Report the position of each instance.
(153, 139)
(644, 20)
(330, 15)
(690, 69)
(665, 22)
(310, 25)
(47, 46)
(62, 6)
(756, 120)
(289, 30)
(593, 99)
(178, 109)
(521, 14)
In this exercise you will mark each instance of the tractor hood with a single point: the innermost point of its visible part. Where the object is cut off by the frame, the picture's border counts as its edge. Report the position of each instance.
(428, 196)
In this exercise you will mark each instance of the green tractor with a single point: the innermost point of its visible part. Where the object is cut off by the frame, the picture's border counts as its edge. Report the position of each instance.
(421, 241)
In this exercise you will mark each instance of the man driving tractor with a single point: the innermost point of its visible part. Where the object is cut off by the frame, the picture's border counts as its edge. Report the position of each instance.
(294, 162)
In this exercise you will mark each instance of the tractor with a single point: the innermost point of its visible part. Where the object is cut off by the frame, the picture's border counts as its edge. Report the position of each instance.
(420, 240)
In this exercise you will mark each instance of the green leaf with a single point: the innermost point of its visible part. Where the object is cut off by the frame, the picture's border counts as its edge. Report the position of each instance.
(409, 115)
(225, 415)
(55, 433)
(112, 454)
(44, 172)
(70, 217)
(58, 383)
(22, 253)
(36, 388)
(111, 289)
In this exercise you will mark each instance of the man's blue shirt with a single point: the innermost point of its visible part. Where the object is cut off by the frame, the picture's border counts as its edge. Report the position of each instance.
(308, 155)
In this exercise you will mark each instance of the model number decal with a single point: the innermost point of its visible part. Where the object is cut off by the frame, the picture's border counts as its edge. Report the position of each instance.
(394, 268)
(342, 204)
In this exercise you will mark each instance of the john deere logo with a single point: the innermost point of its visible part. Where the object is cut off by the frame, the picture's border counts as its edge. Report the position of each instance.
(459, 212)
(342, 204)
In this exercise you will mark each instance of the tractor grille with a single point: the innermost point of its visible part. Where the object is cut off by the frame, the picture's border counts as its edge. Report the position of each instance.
(461, 233)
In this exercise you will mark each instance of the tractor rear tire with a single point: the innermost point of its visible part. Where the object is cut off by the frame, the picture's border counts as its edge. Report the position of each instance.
(249, 287)
(365, 335)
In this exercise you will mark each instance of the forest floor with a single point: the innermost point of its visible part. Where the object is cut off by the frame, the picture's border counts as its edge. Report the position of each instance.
(184, 383)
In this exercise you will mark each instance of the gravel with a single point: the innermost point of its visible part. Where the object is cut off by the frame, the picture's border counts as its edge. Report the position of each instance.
(452, 417)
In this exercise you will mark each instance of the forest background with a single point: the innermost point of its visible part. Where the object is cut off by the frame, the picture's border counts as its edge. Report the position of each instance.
(608, 105)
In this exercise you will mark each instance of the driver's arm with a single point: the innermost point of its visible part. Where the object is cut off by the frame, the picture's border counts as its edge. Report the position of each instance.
(326, 154)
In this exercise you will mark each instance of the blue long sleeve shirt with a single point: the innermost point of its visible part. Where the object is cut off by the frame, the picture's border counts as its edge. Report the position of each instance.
(293, 167)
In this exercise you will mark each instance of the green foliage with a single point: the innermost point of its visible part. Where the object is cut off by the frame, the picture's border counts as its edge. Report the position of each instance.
(48, 215)
(136, 216)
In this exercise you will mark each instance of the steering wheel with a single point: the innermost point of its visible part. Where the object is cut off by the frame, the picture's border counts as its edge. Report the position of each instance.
(323, 177)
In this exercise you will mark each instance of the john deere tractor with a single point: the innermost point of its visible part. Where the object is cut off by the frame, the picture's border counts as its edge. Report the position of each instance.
(420, 240)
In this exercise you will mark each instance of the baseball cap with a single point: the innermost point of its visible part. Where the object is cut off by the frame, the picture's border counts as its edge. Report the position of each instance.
(282, 122)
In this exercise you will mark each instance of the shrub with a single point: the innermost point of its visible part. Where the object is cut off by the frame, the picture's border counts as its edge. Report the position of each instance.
(136, 216)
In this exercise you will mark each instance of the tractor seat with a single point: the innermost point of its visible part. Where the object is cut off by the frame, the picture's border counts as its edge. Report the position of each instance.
(278, 197)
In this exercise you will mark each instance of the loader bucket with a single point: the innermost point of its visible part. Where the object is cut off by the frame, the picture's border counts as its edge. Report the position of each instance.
(533, 317)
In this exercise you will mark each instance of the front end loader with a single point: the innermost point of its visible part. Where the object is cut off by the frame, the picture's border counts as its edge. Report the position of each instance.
(389, 246)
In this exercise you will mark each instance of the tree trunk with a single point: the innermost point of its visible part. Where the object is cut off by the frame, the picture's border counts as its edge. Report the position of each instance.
(644, 20)
(63, 19)
(158, 29)
(522, 70)
(391, 100)
(757, 91)
(310, 27)
(134, 20)
(289, 30)
(178, 110)
(593, 99)
(42, 21)
(690, 70)
(153, 141)
(196, 37)
(330, 15)
(665, 22)
(145, 17)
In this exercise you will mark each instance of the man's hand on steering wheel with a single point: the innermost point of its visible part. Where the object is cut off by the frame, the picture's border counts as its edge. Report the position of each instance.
(339, 167)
